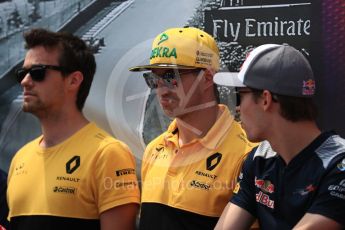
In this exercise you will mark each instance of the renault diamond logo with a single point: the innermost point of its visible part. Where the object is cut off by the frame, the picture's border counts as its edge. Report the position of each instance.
(212, 161)
(73, 164)
(160, 148)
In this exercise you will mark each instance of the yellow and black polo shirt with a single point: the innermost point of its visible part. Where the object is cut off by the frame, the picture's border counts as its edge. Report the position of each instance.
(189, 186)
(68, 185)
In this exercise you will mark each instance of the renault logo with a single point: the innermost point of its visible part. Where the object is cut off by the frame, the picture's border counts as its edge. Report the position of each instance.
(212, 161)
(73, 164)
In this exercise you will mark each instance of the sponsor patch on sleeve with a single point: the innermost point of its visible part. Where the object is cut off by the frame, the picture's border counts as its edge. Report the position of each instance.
(237, 188)
(341, 165)
(123, 172)
(337, 190)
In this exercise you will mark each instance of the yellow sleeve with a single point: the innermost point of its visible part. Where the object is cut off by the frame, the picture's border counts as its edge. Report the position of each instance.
(115, 177)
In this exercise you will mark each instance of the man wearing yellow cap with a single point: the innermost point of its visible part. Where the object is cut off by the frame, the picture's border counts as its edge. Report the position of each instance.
(189, 171)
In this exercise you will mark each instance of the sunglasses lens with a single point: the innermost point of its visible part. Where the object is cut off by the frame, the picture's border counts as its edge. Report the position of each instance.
(37, 73)
(169, 79)
(150, 80)
(20, 74)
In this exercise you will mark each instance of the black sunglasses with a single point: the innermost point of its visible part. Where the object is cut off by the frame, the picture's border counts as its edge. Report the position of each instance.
(169, 78)
(37, 72)
(238, 95)
(239, 91)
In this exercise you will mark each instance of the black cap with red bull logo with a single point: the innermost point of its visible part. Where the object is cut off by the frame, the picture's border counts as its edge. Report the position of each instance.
(280, 69)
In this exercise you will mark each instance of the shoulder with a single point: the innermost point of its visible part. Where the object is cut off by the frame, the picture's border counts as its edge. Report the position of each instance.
(158, 141)
(331, 149)
(28, 146)
(240, 134)
(108, 145)
(103, 138)
(237, 138)
(263, 150)
(261, 153)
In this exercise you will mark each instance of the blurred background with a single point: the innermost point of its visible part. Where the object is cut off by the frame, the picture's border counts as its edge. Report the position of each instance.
(120, 33)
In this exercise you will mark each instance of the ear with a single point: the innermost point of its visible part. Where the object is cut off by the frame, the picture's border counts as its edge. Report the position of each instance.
(267, 100)
(74, 80)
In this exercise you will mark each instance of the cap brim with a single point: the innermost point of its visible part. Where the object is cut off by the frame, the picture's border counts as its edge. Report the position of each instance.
(159, 66)
(228, 79)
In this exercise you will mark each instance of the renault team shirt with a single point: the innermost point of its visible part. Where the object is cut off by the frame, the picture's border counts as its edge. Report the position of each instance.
(188, 187)
(69, 185)
(279, 195)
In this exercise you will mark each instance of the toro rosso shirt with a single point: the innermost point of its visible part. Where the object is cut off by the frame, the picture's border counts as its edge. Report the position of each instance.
(279, 195)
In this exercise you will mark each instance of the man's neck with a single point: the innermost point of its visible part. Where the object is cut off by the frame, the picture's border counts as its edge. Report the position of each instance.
(292, 137)
(196, 124)
(57, 128)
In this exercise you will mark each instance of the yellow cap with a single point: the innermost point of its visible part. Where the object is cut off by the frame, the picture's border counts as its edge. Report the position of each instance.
(183, 48)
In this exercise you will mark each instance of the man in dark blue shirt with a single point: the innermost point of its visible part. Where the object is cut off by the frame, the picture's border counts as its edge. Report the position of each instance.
(296, 177)
(3, 203)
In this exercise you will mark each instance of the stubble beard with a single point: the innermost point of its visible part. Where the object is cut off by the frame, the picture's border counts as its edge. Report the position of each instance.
(34, 108)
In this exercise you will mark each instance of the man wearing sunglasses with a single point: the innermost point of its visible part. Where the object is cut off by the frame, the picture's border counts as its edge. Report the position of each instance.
(189, 171)
(296, 177)
(75, 175)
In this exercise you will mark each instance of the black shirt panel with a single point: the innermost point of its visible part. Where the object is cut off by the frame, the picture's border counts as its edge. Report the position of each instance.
(39, 222)
(169, 218)
(330, 196)
(3, 203)
(313, 182)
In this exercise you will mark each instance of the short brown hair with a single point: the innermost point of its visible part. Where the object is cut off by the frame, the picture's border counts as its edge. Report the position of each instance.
(75, 55)
(292, 108)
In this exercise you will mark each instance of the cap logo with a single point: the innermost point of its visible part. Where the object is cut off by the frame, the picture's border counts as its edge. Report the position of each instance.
(182, 48)
(163, 52)
(308, 87)
(163, 38)
(203, 57)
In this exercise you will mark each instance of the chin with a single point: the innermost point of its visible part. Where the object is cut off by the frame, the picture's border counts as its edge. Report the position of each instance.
(254, 138)
(31, 108)
(169, 111)
(170, 114)
(27, 108)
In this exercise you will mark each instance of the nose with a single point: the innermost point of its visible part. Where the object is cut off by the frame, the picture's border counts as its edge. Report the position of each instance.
(160, 83)
(26, 80)
(162, 89)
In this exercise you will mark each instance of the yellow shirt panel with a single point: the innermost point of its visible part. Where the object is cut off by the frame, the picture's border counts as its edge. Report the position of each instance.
(200, 176)
(76, 178)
